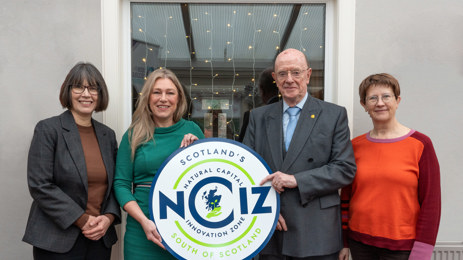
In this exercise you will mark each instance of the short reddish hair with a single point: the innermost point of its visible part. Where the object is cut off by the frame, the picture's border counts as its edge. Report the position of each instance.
(381, 79)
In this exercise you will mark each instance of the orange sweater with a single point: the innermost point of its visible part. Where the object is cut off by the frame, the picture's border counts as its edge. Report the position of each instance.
(394, 200)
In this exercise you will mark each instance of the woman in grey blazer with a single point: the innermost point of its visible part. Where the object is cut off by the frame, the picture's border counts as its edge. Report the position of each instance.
(70, 173)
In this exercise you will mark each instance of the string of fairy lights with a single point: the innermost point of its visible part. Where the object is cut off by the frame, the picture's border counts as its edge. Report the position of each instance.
(144, 59)
(166, 51)
(232, 59)
(253, 80)
(208, 18)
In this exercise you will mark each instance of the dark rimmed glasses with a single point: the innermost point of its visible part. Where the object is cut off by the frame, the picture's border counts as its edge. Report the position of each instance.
(79, 89)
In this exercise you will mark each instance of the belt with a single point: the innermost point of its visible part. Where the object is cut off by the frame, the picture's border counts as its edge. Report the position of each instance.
(143, 184)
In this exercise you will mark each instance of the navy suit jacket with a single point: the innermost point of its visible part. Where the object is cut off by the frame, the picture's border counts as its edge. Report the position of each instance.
(321, 158)
(57, 179)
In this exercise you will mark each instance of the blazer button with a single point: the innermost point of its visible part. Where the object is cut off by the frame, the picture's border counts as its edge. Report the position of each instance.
(310, 160)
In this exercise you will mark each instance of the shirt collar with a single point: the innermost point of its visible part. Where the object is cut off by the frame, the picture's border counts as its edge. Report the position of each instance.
(299, 105)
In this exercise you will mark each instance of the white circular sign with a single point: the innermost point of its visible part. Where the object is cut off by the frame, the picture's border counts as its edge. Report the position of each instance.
(207, 203)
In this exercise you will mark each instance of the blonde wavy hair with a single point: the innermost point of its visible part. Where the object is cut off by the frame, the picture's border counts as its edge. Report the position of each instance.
(142, 128)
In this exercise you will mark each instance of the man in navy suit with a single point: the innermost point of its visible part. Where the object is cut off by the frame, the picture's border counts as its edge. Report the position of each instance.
(309, 169)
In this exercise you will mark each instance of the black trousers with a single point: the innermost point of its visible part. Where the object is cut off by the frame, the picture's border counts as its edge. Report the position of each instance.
(361, 251)
(83, 249)
(282, 257)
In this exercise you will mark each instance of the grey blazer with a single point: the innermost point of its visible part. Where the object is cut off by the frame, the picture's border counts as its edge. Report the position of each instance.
(321, 158)
(57, 179)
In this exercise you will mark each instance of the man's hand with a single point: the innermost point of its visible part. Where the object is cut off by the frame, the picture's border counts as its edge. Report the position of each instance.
(280, 181)
(281, 225)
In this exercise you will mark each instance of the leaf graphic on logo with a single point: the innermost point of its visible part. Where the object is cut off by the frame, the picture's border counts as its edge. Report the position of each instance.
(214, 213)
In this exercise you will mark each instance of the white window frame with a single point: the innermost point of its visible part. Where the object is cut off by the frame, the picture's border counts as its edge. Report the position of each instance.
(115, 20)
(116, 59)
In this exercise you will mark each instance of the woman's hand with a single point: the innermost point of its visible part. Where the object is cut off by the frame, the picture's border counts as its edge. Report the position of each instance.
(152, 233)
(344, 254)
(96, 227)
(148, 226)
(188, 139)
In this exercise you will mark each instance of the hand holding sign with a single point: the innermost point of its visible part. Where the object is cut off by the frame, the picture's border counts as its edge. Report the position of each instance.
(206, 202)
(152, 233)
(280, 181)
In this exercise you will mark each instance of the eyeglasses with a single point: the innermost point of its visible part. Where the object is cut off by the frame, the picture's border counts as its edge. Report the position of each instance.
(295, 74)
(386, 98)
(79, 89)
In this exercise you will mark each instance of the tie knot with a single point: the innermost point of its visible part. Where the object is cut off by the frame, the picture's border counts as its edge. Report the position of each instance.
(293, 111)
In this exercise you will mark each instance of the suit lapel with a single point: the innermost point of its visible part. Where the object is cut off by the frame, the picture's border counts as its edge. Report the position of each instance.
(72, 138)
(307, 120)
(274, 128)
(105, 146)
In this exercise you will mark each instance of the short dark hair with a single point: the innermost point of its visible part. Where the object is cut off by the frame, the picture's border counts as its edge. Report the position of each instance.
(81, 72)
(380, 79)
(267, 86)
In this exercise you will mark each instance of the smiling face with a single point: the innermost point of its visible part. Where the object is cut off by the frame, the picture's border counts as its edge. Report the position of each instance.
(292, 75)
(163, 102)
(377, 108)
(83, 104)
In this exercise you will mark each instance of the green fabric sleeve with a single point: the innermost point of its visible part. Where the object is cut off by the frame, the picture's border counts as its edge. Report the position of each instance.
(123, 178)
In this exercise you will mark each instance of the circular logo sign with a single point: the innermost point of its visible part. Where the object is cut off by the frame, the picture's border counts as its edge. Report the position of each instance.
(207, 203)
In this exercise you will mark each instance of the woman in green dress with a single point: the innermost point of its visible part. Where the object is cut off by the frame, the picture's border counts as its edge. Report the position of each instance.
(157, 130)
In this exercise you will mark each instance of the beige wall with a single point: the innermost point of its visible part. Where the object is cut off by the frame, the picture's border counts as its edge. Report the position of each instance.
(420, 43)
(40, 42)
(417, 41)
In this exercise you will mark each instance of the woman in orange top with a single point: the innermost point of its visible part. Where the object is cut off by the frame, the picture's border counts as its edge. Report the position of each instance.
(392, 208)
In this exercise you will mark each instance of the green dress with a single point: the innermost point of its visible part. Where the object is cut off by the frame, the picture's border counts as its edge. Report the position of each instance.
(148, 158)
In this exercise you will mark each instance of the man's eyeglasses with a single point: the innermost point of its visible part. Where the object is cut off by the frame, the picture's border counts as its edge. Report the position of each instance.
(295, 74)
(386, 98)
(79, 89)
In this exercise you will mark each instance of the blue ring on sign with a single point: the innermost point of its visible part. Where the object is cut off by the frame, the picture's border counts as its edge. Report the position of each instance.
(156, 176)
